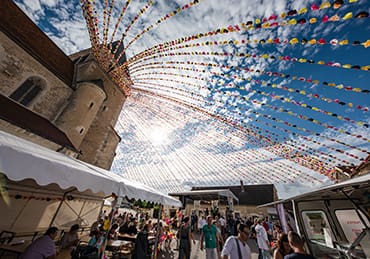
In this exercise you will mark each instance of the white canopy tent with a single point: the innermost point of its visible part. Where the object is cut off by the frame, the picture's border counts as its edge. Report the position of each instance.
(21, 159)
(39, 182)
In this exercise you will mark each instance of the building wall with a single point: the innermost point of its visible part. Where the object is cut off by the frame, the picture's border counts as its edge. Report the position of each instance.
(81, 110)
(243, 210)
(100, 142)
(16, 65)
(61, 104)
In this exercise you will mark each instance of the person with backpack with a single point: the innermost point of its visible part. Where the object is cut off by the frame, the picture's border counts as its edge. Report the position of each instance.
(185, 237)
(236, 247)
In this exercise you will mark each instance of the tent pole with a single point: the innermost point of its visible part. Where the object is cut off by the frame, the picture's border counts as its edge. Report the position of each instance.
(115, 205)
(60, 206)
(155, 254)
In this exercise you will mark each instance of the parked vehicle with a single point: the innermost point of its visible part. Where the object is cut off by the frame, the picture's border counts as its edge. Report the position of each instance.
(334, 220)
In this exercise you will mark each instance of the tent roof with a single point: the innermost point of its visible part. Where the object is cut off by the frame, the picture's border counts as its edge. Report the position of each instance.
(21, 159)
(332, 191)
(207, 194)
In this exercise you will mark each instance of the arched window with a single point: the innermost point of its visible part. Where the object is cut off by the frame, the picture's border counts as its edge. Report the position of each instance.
(27, 91)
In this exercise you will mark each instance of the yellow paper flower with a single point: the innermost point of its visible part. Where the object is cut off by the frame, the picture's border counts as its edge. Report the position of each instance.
(293, 41)
(347, 16)
(293, 22)
(325, 5)
(302, 11)
(313, 20)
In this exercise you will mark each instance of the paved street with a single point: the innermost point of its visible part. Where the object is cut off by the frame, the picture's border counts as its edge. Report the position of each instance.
(196, 253)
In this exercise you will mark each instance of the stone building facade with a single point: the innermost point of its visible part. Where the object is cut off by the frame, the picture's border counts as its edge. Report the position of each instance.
(65, 103)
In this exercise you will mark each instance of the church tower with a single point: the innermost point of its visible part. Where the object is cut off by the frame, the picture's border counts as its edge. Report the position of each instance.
(66, 103)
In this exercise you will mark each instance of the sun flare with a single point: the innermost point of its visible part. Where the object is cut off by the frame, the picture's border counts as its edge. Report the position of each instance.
(159, 136)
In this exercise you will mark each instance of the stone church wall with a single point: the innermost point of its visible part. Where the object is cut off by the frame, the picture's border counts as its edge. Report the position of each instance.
(16, 66)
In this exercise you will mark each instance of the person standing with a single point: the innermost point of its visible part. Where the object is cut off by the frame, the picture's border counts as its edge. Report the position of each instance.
(262, 240)
(70, 239)
(43, 247)
(185, 236)
(209, 235)
(236, 247)
(202, 222)
(297, 245)
(282, 247)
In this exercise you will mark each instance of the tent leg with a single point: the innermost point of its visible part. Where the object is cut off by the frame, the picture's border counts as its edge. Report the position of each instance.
(60, 206)
(115, 205)
(155, 254)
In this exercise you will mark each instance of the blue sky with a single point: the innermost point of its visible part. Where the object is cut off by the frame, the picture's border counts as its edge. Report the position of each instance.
(170, 142)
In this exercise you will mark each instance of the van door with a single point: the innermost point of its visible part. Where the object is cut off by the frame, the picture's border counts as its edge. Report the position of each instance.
(315, 225)
(330, 227)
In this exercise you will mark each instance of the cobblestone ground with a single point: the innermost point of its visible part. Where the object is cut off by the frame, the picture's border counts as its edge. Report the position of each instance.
(196, 253)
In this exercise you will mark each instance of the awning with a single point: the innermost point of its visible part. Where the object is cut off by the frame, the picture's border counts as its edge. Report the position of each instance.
(21, 159)
(207, 194)
(332, 191)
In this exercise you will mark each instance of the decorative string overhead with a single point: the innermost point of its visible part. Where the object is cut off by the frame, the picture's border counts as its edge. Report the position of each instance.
(249, 26)
(284, 98)
(269, 140)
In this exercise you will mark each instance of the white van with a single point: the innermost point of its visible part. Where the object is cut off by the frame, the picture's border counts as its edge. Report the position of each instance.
(334, 221)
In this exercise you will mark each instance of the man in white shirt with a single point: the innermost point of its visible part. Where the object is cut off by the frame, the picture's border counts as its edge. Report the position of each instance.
(202, 222)
(236, 247)
(262, 240)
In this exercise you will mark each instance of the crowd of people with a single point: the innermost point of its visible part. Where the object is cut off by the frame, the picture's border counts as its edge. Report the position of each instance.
(227, 238)
(107, 228)
(220, 238)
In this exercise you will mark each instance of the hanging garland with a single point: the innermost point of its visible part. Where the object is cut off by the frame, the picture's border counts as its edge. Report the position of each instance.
(261, 82)
(275, 41)
(268, 73)
(273, 119)
(280, 98)
(311, 164)
(249, 26)
(286, 122)
(164, 18)
(207, 138)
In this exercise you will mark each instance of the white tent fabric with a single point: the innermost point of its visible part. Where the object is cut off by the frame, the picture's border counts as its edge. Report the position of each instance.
(21, 159)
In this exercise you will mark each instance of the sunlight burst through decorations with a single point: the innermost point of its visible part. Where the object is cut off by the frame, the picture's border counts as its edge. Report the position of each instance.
(159, 136)
(278, 96)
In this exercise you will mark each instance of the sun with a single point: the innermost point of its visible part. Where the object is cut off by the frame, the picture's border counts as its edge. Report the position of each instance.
(159, 136)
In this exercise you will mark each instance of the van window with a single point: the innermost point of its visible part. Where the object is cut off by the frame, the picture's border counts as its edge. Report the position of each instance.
(350, 222)
(317, 227)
